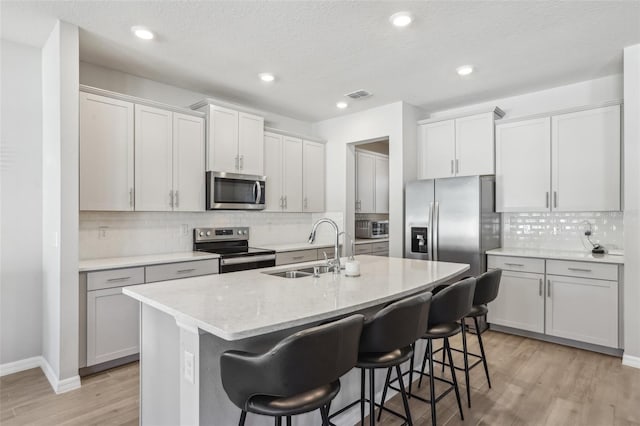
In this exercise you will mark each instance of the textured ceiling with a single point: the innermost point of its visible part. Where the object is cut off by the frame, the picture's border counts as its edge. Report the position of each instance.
(320, 50)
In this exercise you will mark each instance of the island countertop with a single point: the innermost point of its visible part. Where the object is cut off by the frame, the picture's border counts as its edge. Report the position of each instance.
(246, 304)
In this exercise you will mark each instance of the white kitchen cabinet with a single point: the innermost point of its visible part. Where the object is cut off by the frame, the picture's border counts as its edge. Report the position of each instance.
(188, 163)
(283, 167)
(523, 166)
(292, 174)
(112, 325)
(313, 176)
(372, 182)
(222, 139)
(235, 140)
(382, 185)
(250, 144)
(520, 302)
(106, 153)
(462, 146)
(586, 160)
(475, 145)
(582, 309)
(153, 159)
(437, 150)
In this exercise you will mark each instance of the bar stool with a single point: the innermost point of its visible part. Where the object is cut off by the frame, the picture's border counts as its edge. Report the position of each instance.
(448, 307)
(487, 286)
(386, 342)
(299, 374)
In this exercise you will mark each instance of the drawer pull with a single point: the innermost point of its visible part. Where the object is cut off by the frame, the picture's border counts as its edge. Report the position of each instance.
(115, 280)
(297, 257)
(514, 264)
(579, 269)
(185, 271)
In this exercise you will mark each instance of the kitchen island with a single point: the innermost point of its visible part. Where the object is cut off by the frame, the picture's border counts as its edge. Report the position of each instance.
(186, 324)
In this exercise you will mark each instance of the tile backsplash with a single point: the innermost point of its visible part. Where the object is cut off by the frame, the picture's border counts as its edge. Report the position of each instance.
(114, 234)
(562, 231)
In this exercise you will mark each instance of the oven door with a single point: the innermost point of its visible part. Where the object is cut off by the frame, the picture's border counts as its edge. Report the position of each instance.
(231, 191)
(244, 263)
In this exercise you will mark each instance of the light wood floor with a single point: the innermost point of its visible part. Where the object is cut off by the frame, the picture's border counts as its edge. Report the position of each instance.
(534, 383)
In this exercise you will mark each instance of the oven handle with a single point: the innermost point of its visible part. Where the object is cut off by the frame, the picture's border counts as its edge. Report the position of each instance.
(247, 259)
(258, 190)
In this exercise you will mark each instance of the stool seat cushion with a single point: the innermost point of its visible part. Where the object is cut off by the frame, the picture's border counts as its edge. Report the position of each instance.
(442, 330)
(297, 404)
(384, 359)
(478, 311)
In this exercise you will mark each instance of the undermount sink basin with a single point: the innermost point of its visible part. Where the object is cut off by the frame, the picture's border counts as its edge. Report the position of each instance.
(291, 274)
(322, 269)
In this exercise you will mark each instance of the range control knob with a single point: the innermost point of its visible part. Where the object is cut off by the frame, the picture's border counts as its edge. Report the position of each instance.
(201, 233)
(208, 233)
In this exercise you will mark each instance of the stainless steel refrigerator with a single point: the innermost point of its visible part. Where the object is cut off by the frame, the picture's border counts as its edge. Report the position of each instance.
(452, 220)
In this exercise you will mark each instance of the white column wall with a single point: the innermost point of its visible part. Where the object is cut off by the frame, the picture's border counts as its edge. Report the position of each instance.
(632, 206)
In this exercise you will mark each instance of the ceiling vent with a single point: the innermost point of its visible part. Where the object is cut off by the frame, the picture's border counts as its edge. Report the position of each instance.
(358, 94)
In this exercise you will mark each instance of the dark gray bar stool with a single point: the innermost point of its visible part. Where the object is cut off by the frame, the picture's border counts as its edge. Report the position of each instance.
(487, 287)
(386, 342)
(300, 374)
(448, 306)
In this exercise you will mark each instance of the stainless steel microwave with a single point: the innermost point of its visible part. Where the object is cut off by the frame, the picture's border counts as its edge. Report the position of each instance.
(232, 191)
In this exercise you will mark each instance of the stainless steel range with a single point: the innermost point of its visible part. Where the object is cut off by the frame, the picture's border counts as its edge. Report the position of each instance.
(232, 244)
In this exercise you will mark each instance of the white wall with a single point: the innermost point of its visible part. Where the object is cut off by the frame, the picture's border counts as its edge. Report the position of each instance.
(60, 58)
(118, 81)
(588, 92)
(632, 205)
(21, 204)
(376, 123)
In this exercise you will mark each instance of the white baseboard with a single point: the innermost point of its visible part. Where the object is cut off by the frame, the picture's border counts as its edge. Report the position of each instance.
(20, 365)
(59, 386)
(631, 361)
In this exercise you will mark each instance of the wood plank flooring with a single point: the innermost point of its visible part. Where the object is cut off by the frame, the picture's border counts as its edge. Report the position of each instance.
(533, 383)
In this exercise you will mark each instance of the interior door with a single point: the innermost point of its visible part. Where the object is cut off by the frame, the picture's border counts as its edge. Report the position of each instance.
(154, 159)
(273, 171)
(457, 229)
(292, 173)
(188, 163)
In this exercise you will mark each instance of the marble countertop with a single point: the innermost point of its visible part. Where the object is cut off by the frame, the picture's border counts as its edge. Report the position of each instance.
(251, 303)
(371, 240)
(279, 248)
(89, 265)
(583, 256)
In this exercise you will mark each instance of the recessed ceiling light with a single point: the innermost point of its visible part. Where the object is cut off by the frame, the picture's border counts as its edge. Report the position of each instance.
(401, 19)
(142, 32)
(464, 70)
(342, 105)
(266, 77)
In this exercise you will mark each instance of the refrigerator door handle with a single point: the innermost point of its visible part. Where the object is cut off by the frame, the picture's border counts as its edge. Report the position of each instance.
(434, 227)
(430, 233)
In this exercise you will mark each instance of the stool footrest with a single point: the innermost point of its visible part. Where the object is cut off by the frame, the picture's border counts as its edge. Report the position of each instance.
(368, 401)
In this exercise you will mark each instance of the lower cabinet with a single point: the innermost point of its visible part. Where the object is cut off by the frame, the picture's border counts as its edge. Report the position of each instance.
(571, 306)
(582, 309)
(112, 325)
(520, 302)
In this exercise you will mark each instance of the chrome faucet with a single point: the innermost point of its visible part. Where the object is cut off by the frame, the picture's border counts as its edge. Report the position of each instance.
(334, 264)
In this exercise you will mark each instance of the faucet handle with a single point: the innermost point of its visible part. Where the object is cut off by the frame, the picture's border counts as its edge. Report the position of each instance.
(326, 258)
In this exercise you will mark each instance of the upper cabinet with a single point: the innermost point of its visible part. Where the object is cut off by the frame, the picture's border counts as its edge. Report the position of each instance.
(295, 171)
(372, 182)
(167, 145)
(235, 140)
(566, 162)
(106, 153)
(461, 146)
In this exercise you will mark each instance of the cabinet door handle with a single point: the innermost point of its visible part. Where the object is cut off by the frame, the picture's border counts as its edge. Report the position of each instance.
(116, 280)
(555, 199)
(579, 269)
(176, 199)
(131, 197)
(547, 202)
(305, 202)
(540, 287)
(170, 198)
(281, 203)
(457, 166)
(184, 271)
(451, 166)
(237, 163)
(241, 162)
(297, 257)
(286, 204)
(514, 264)
(549, 288)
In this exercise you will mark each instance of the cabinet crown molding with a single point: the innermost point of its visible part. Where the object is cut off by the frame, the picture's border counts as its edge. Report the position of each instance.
(561, 111)
(140, 101)
(498, 113)
(293, 134)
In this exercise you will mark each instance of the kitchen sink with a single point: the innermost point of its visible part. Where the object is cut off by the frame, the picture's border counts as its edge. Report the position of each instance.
(322, 269)
(291, 274)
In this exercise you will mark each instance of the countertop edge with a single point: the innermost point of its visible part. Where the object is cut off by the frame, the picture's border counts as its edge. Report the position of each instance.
(556, 255)
(140, 261)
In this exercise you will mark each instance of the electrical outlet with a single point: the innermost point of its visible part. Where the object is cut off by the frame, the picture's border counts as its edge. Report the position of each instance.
(102, 232)
(188, 367)
(184, 229)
